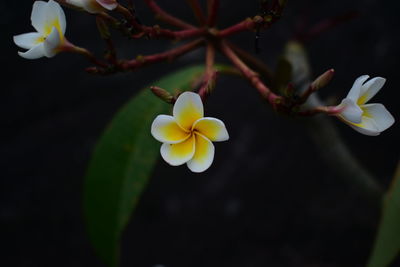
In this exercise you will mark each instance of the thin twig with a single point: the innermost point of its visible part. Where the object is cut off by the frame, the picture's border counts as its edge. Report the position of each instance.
(68, 47)
(325, 26)
(253, 77)
(258, 22)
(164, 56)
(210, 58)
(114, 23)
(194, 4)
(253, 61)
(129, 17)
(166, 17)
(213, 6)
(330, 110)
(156, 32)
(246, 25)
(210, 74)
(111, 54)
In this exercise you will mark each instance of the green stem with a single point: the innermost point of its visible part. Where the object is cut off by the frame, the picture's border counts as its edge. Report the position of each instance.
(325, 135)
(337, 154)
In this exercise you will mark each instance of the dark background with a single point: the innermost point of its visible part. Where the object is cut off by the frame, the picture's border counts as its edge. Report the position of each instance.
(268, 200)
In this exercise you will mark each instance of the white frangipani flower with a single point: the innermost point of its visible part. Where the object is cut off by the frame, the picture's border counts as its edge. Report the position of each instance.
(187, 135)
(49, 21)
(368, 119)
(94, 6)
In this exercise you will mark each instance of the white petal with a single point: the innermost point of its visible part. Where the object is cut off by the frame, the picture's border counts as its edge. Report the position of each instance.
(38, 16)
(77, 3)
(91, 6)
(33, 53)
(370, 89)
(355, 91)
(108, 4)
(51, 43)
(178, 154)
(55, 16)
(367, 127)
(166, 130)
(213, 129)
(204, 155)
(28, 40)
(379, 114)
(351, 111)
(188, 108)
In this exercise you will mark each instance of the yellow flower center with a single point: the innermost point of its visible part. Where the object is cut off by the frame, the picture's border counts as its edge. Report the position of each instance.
(47, 30)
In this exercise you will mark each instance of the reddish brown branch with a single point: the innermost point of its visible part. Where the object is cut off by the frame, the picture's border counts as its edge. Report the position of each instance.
(156, 31)
(210, 74)
(129, 17)
(111, 54)
(194, 4)
(253, 77)
(165, 56)
(114, 23)
(258, 22)
(325, 26)
(68, 47)
(330, 110)
(246, 25)
(237, 56)
(252, 61)
(210, 58)
(166, 17)
(212, 12)
(208, 84)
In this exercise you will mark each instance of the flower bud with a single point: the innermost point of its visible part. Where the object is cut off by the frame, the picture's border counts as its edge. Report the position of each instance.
(162, 94)
(323, 79)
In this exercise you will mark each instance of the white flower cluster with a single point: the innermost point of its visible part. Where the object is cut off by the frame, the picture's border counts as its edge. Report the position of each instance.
(48, 19)
(368, 119)
(187, 136)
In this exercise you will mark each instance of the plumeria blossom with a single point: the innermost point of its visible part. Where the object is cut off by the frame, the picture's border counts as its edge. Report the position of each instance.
(368, 119)
(48, 19)
(187, 135)
(94, 6)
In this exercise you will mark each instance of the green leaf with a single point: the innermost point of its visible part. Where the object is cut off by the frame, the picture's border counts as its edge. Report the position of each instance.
(122, 164)
(387, 243)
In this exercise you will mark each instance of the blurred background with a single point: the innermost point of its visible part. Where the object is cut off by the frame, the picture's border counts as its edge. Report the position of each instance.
(270, 199)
